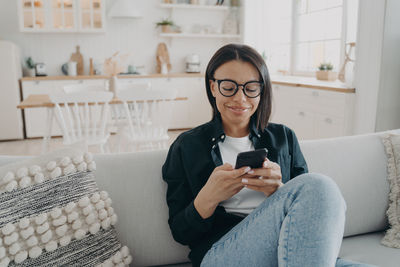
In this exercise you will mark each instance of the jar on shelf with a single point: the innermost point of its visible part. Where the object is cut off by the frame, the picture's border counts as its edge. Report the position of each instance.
(231, 23)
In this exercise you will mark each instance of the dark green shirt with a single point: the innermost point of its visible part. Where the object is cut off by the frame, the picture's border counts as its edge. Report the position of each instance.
(191, 160)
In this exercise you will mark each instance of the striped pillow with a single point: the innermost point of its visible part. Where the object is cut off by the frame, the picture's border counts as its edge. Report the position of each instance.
(53, 214)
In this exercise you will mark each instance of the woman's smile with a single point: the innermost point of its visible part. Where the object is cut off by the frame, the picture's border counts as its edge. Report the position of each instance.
(239, 110)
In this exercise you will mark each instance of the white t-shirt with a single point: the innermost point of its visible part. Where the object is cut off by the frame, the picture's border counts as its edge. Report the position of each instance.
(246, 200)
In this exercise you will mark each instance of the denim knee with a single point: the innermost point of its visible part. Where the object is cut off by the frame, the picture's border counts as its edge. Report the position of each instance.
(321, 188)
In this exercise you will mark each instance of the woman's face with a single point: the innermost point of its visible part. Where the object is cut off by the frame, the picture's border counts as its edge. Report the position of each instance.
(235, 110)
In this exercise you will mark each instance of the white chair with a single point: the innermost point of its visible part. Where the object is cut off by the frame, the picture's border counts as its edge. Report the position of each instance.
(147, 114)
(83, 117)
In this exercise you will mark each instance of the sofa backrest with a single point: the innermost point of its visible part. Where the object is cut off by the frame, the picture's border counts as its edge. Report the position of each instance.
(358, 165)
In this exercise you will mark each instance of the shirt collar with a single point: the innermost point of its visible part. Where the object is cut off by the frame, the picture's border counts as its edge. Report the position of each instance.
(218, 134)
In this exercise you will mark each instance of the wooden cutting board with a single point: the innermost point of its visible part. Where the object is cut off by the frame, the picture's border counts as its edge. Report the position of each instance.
(162, 57)
(78, 58)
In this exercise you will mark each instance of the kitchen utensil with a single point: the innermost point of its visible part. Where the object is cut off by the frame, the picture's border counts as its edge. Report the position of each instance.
(40, 69)
(64, 68)
(162, 57)
(192, 63)
(78, 58)
(91, 69)
(72, 68)
(69, 68)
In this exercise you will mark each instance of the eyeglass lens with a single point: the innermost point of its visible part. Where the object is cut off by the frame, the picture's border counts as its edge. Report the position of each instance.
(229, 88)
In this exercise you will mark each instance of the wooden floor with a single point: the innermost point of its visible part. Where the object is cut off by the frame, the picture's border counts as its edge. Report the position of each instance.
(33, 147)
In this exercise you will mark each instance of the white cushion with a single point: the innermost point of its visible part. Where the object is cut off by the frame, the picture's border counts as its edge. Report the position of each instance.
(134, 183)
(392, 146)
(368, 249)
(358, 166)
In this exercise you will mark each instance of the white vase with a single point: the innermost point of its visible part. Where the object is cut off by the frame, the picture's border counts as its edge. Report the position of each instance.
(114, 84)
(31, 72)
(349, 74)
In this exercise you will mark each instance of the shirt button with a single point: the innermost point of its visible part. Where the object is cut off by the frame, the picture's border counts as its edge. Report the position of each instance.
(258, 135)
(213, 139)
(222, 136)
(213, 146)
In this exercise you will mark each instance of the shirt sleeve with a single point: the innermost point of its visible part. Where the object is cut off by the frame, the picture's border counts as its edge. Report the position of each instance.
(298, 164)
(185, 222)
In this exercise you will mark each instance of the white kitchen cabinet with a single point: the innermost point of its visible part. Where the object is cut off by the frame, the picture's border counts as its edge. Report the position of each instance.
(35, 118)
(313, 113)
(61, 15)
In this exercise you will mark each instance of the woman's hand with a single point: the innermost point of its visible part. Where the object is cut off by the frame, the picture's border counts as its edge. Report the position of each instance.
(267, 179)
(224, 182)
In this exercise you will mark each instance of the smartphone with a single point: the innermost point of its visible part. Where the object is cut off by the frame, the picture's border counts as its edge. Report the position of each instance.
(254, 159)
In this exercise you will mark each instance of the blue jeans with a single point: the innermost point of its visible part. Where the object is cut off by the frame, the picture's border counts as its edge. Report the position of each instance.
(301, 224)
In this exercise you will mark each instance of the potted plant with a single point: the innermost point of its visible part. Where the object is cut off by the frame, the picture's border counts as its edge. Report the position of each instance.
(325, 72)
(30, 67)
(166, 25)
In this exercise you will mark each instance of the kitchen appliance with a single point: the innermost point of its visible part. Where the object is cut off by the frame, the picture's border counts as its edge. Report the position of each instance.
(192, 63)
(40, 69)
(11, 123)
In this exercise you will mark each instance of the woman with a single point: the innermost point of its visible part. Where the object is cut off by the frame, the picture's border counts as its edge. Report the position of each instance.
(249, 217)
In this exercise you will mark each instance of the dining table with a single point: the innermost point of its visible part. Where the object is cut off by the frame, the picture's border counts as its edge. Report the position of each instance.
(44, 101)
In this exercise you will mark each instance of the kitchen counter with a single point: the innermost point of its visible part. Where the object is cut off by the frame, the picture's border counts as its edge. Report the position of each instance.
(312, 82)
(130, 76)
(308, 82)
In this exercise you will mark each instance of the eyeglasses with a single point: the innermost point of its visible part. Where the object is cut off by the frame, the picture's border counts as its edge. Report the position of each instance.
(229, 88)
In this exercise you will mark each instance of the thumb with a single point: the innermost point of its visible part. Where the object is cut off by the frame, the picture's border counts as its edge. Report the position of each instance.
(225, 167)
(241, 171)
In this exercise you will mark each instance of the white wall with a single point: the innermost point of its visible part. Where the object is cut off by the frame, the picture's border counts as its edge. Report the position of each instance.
(377, 71)
(368, 63)
(388, 110)
(138, 37)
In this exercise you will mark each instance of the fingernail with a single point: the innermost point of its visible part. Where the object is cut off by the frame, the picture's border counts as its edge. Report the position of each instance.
(251, 171)
(247, 169)
(245, 180)
(266, 164)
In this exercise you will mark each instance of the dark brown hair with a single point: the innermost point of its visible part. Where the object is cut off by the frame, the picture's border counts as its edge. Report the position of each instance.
(246, 54)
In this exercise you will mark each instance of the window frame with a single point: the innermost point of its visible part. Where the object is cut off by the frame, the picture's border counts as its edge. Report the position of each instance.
(294, 40)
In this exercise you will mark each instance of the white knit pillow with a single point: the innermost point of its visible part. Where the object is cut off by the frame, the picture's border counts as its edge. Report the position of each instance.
(53, 214)
(392, 147)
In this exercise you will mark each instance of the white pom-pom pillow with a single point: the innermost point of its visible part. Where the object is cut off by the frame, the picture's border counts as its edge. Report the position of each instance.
(52, 213)
(392, 148)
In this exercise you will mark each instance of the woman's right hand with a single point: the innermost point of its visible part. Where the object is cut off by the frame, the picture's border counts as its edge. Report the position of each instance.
(224, 182)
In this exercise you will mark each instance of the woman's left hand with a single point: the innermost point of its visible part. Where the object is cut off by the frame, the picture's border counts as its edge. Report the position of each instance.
(267, 179)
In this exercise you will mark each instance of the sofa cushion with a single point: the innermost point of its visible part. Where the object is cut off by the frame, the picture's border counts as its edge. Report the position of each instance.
(392, 147)
(134, 182)
(367, 248)
(51, 208)
(358, 166)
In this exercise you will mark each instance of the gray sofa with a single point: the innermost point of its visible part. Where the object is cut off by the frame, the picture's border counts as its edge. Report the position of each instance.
(356, 163)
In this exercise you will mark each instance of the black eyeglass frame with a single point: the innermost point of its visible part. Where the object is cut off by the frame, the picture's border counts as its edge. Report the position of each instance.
(237, 87)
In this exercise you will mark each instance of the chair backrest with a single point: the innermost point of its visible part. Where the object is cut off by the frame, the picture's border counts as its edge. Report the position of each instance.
(80, 88)
(82, 116)
(121, 86)
(148, 113)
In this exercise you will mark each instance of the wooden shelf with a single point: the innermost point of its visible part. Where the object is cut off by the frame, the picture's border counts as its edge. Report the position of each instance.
(200, 35)
(189, 6)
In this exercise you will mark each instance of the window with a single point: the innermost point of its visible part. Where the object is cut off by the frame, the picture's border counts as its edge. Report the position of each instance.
(318, 34)
(295, 36)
